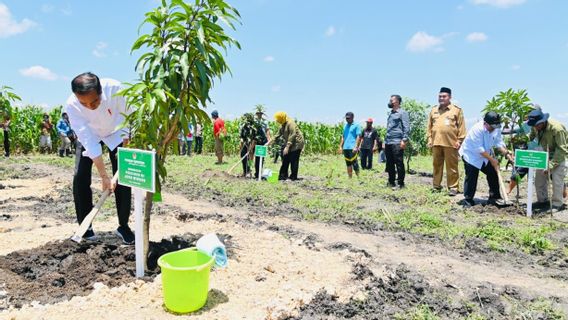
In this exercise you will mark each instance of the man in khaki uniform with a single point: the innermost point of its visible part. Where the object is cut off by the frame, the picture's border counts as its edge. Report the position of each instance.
(446, 132)
(551, 136)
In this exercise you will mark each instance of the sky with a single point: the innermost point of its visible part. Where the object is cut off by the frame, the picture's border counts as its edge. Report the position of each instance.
(315, 59)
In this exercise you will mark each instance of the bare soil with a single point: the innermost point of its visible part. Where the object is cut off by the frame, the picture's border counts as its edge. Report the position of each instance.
(279, 266)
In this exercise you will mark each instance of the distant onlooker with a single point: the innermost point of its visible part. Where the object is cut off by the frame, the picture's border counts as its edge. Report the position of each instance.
(371, 143)
(198, 136)
(350, 143)
(5, 124)
(181, 143)
(219, 133)
(398, 131)
(45, 136)
(66, 135)
(189, 139)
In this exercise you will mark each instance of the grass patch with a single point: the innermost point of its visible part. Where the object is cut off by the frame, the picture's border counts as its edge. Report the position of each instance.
(327, 194)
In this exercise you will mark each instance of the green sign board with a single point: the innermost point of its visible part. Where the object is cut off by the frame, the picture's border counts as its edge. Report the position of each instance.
(137, 168)
(531, 159)
(260, 151)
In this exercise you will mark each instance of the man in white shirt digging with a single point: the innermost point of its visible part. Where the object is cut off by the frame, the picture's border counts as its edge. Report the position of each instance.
(95, 114)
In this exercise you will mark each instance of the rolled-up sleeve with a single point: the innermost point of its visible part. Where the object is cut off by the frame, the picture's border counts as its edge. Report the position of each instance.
(89, 140)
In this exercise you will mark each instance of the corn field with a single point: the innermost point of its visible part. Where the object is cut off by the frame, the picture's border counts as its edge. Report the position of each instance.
(25, 128)
(25, 133)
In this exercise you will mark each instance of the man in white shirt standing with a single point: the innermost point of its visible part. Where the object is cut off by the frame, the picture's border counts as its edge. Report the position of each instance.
(96, 114)
(477, 154)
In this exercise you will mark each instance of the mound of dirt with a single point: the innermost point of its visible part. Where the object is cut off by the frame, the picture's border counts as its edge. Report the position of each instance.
(59, 270)
(401, 293)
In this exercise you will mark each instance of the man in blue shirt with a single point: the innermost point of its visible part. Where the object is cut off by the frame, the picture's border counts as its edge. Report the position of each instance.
(477, 154)
(398, 131)
(65, 134)
(350, 143)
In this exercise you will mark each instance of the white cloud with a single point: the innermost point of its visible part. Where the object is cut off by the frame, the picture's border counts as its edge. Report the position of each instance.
(268, 59)
(515, 67)
(499, 3)
(47, 8)
(330, 31)
(67, 10)
(10, 27)
(421, 41)
(476, 37)
(99, 50)
(562, 115)
(38, 72)
(276, 88)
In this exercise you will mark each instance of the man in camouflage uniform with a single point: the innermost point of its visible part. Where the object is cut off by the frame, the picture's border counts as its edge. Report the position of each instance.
(446, 132)
(551, 136)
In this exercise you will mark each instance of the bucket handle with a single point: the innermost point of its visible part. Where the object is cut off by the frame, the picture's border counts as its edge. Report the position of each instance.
(206, 265)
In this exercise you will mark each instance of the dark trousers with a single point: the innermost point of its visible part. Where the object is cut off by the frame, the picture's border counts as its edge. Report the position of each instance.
(185, 147)
(6, 144)
(470, 182)
(395, 163)
(83, 195)
(244, 161)
(198, 145)
(292, 159)
(366, 159)
(278, 154)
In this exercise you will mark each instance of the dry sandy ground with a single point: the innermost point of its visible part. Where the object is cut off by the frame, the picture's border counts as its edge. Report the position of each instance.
(271, 272)
(291, 273)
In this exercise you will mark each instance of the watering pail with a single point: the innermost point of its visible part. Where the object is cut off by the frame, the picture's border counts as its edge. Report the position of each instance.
(185, 279)
(273, 178)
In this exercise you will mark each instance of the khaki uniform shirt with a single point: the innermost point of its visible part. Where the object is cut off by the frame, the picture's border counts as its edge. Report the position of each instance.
(553, 138)
(446, 126)
(292, 135)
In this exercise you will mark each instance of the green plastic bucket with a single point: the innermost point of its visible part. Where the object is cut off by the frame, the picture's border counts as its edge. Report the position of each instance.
(185, 279)
(273, 178)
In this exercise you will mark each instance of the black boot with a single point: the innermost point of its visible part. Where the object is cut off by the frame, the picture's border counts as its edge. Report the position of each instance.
(61, 153)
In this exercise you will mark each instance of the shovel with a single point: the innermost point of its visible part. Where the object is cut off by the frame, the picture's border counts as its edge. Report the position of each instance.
(78, 236)
(502, 189)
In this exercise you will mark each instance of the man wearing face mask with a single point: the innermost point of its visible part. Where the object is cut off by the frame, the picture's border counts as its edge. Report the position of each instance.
(477, 154)
(398, 131)
(446, 131)
(95, 113)
(551, 136)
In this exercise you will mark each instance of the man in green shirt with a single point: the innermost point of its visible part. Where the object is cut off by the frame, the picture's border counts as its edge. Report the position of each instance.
(551, 136)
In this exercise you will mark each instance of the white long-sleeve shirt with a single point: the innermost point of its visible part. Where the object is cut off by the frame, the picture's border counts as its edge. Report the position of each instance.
(477, 141)
(101, 124)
